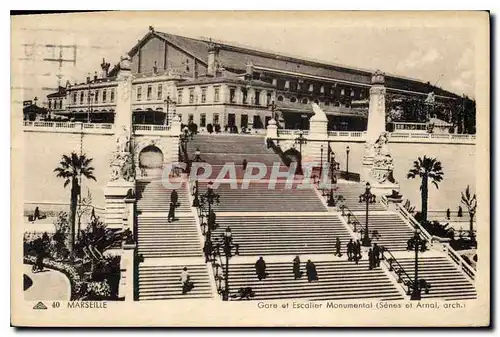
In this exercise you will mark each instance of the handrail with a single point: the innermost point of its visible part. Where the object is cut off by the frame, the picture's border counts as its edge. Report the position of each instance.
(350, 215)
(409, 282)
(466, 268)
(414, 223)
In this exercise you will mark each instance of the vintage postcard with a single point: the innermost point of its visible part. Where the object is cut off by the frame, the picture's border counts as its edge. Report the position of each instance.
(176, 169)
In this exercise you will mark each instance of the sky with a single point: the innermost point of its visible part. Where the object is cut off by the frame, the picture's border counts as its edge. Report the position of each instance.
(440, 51)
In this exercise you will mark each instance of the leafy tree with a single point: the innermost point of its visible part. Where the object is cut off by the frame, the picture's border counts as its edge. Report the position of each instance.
(72, 168)
(426, 168)
(470, 201)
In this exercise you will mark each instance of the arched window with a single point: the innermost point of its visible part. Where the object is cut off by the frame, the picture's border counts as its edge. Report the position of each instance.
(305, 101)
(293, 99)
(280, 98)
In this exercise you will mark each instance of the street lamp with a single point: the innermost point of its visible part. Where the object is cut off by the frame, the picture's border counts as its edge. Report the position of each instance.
(347, 150)
(417, 244)
(300, 140)
(321, 162)
(210, 198)
(368, 198)
(228, 247)
(334, 166)
(167, 102)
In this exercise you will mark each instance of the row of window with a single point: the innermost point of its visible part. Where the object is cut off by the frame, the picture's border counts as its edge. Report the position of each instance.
(296, 86)
(55, 105)
(280, 98)
(203, 119)
(193, 98)
(95, 96)
(149, 92)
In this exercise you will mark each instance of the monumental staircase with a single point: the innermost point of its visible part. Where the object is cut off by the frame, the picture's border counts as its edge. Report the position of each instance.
(278, 224)
(168, 247)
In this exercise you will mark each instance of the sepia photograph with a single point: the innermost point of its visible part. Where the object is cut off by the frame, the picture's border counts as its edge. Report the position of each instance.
(312, 168)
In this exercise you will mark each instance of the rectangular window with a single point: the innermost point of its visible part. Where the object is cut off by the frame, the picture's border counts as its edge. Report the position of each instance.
(96, 96)
(81, 97)
(104, 96)
(149, 91)
(160, 91)
(361, 94)
(342, 92)
(216, 94)
(74, 98)
(139, 93)
(112, 98)
(257, 97)
(352, 92)
(268, 98)
(203, 120)
(203, 95)
(190, 117)
(60, 104)
(191, 96)
(231, 95)
(216, 119)
(50, 104)
(179, 97)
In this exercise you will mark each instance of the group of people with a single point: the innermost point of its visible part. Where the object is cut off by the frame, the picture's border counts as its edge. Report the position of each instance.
(354, 253)
(460, 213)
(311, 272)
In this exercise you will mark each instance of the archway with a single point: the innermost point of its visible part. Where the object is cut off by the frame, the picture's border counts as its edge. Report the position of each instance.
(151, 161)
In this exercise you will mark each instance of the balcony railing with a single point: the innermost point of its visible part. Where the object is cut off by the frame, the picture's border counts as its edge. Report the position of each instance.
(151, 127)
(68, 126)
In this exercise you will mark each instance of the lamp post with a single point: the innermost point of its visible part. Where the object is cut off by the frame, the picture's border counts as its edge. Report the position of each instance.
(300, 140)
(321, 162)
(417, 244)
(210, 198)
(228, 247)
(334, 166)
(347, 150)
(369, 198)
(167, 103)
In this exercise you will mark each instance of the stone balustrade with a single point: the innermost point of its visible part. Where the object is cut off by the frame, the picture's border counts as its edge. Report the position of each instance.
(394, 137)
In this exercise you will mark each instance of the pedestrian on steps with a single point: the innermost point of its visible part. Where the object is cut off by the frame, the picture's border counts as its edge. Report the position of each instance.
(171, 212)
(371, 260)
(174, 198)
(377, 251)
(296, 268)
(312, 274)
(350, 250)
(338, 246)
(358, 249)
(245, 163)
(260, 268)
(186, 283)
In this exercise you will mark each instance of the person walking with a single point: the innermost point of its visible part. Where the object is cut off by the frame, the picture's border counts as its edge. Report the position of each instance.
(448, 214)
(338, 246)
(358, 249)
(245, 163)
(312, 274)
(260, 268)
(460, 212)
(371, 259)
(376, 254)
(186, 283)
(171, 212)
(174, 198)
(350, 250)
(296, 268)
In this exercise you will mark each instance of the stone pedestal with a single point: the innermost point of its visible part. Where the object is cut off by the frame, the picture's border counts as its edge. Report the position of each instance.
(272, 129)
(127, 282)
(115, 194)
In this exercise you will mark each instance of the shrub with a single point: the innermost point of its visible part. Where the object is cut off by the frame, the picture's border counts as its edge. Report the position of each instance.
(210, 128)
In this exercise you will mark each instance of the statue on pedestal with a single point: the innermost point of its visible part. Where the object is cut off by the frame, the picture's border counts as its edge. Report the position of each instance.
(122, 164)
(383, 163)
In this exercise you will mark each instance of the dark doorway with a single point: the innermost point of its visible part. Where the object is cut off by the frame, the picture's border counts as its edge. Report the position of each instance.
(231, 120)
(244, 121)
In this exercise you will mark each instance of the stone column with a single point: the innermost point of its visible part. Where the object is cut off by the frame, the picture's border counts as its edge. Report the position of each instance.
(122, 171)
(318, 130)
(376, 122)
(272, 129)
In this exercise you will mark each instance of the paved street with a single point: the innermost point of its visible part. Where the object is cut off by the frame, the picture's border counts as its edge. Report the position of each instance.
(47, 285)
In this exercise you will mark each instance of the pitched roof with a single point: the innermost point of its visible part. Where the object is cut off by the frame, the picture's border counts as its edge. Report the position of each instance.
(235, 58)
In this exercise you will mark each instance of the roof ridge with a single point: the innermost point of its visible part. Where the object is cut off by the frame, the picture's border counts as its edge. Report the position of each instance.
(299, 59)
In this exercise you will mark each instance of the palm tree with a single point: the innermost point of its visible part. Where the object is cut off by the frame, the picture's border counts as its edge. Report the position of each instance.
(426, 168)
(72, 168)
(470, 202)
